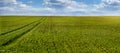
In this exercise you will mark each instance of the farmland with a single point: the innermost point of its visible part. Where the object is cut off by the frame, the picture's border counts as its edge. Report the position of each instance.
(59, 34)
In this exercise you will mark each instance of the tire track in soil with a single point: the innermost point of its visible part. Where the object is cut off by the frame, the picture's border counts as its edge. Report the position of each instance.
(25, 32)
(17, 28)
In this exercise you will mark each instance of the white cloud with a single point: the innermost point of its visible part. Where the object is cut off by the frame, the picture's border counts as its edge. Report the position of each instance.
(109, 5)
(66, 6)
(13, 3)
(12, 6)
(61, 7)
(111, 1)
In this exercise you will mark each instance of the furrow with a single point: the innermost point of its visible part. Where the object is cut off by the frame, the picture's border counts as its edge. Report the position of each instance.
(17, 28)
(20, 35)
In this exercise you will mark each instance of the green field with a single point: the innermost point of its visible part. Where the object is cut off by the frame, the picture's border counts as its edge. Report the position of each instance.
(59, 34)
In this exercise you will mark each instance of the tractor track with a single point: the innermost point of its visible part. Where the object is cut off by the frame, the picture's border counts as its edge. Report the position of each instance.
(17, 28)
(23, 33)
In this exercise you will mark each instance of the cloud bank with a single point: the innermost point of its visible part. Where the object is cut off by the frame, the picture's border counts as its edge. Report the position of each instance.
(60, 7)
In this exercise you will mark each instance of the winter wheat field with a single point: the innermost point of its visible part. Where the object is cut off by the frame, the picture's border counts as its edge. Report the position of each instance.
(59, 34)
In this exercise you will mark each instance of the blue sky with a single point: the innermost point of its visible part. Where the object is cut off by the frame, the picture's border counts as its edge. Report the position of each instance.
(60, 7)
